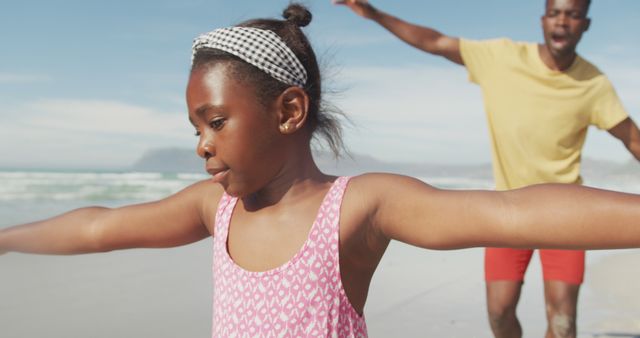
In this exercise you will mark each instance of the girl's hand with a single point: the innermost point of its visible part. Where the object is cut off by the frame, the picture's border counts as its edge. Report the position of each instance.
(360, 7)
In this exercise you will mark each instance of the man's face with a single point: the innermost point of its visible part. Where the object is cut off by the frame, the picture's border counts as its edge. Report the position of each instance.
(563, 24)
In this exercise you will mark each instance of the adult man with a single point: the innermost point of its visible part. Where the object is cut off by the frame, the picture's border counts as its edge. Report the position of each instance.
(540, 100)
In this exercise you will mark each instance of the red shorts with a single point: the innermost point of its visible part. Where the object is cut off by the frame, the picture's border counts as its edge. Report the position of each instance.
(511, 264)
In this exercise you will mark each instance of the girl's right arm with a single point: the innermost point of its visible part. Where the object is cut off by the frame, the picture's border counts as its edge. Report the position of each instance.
(180, 219)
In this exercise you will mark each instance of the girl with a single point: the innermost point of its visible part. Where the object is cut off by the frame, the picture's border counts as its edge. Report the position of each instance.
(294, 248)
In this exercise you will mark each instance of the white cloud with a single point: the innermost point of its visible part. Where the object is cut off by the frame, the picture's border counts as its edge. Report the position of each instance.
(104, 117)
(416, 112)
(87, 133)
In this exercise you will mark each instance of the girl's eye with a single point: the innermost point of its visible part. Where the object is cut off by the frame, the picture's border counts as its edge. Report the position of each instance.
(197, 133)
(217, 124)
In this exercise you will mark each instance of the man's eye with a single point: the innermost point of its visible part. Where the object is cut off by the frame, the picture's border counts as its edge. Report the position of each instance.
(576, 15)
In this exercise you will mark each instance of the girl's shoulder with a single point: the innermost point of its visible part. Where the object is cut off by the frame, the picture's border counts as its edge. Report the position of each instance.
(206, 190)
(203, 196)
(367, 191)
(380, 182)
(370, 192)
(374, 206)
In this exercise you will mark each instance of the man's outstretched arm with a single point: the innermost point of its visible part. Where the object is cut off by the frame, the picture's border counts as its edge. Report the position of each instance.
(627, 132)
(423, 38)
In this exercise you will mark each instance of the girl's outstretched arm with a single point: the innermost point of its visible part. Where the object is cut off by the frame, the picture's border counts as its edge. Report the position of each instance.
(180, 219)
(542, 216)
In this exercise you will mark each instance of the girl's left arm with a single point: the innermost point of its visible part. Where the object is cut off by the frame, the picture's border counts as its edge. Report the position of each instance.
(561, 216)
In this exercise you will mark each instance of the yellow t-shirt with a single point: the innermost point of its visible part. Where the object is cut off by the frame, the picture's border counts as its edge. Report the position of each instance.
(538, 118)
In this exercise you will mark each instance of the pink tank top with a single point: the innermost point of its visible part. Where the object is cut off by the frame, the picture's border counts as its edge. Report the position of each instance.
(302, 298)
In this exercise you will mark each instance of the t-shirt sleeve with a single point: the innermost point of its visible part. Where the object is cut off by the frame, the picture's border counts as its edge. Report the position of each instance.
(481, 56)
(608, 109)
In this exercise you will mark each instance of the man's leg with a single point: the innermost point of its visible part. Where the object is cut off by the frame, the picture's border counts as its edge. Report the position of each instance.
(504, 273)
(562, 301)
(563, 273)
(502, 299)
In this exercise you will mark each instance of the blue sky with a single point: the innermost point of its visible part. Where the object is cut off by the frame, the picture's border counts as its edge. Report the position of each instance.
(94, 84)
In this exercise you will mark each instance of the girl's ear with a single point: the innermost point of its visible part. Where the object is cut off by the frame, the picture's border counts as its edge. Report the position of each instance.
(293, 106)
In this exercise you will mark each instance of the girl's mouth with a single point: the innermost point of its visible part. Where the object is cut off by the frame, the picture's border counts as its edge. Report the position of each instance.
(217, 175)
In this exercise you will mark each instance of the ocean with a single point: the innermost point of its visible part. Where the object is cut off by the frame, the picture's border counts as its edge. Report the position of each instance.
(30, 194)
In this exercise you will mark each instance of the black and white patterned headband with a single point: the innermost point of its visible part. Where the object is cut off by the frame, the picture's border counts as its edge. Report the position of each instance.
(259, 47)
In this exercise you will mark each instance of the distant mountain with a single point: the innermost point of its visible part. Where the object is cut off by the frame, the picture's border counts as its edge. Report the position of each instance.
(169, 160)
(358, 164)
(185, 160)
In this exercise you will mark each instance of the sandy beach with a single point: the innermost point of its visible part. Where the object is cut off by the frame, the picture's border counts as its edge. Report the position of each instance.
(167, 293)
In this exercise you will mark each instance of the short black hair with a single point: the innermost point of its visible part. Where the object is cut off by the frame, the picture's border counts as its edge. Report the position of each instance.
(588, 4)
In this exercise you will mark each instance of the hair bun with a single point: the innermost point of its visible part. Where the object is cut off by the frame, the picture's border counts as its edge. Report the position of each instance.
(297, 14)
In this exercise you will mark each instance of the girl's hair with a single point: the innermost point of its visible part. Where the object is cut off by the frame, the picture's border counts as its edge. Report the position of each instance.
(321, 117)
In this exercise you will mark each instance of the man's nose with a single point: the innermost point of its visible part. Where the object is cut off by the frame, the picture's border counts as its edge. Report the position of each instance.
(562, 19)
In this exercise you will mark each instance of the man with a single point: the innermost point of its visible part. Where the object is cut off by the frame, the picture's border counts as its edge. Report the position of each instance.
(539, 100)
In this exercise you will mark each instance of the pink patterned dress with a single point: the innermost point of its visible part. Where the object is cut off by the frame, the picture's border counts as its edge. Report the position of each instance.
(302, 298)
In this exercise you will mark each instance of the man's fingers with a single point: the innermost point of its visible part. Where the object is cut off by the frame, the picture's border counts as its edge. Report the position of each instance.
(350, 2)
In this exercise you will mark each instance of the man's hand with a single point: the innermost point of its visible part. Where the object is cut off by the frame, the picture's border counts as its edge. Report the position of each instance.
(360, 7)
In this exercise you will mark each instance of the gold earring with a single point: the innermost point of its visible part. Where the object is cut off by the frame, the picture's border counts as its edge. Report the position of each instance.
(285, 128)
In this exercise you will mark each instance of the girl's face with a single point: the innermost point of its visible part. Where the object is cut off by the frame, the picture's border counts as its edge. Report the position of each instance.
(239, 138)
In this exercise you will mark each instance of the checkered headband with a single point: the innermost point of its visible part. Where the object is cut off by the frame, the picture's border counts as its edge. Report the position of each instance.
(259, 47)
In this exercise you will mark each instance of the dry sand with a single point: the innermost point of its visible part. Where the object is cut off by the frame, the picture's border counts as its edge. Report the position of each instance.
(167, 293)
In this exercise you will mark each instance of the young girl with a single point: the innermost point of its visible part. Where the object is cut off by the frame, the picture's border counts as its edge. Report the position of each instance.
(295, 249)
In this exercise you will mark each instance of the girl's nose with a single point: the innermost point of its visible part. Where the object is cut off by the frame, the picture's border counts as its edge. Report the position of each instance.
(205, 148)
